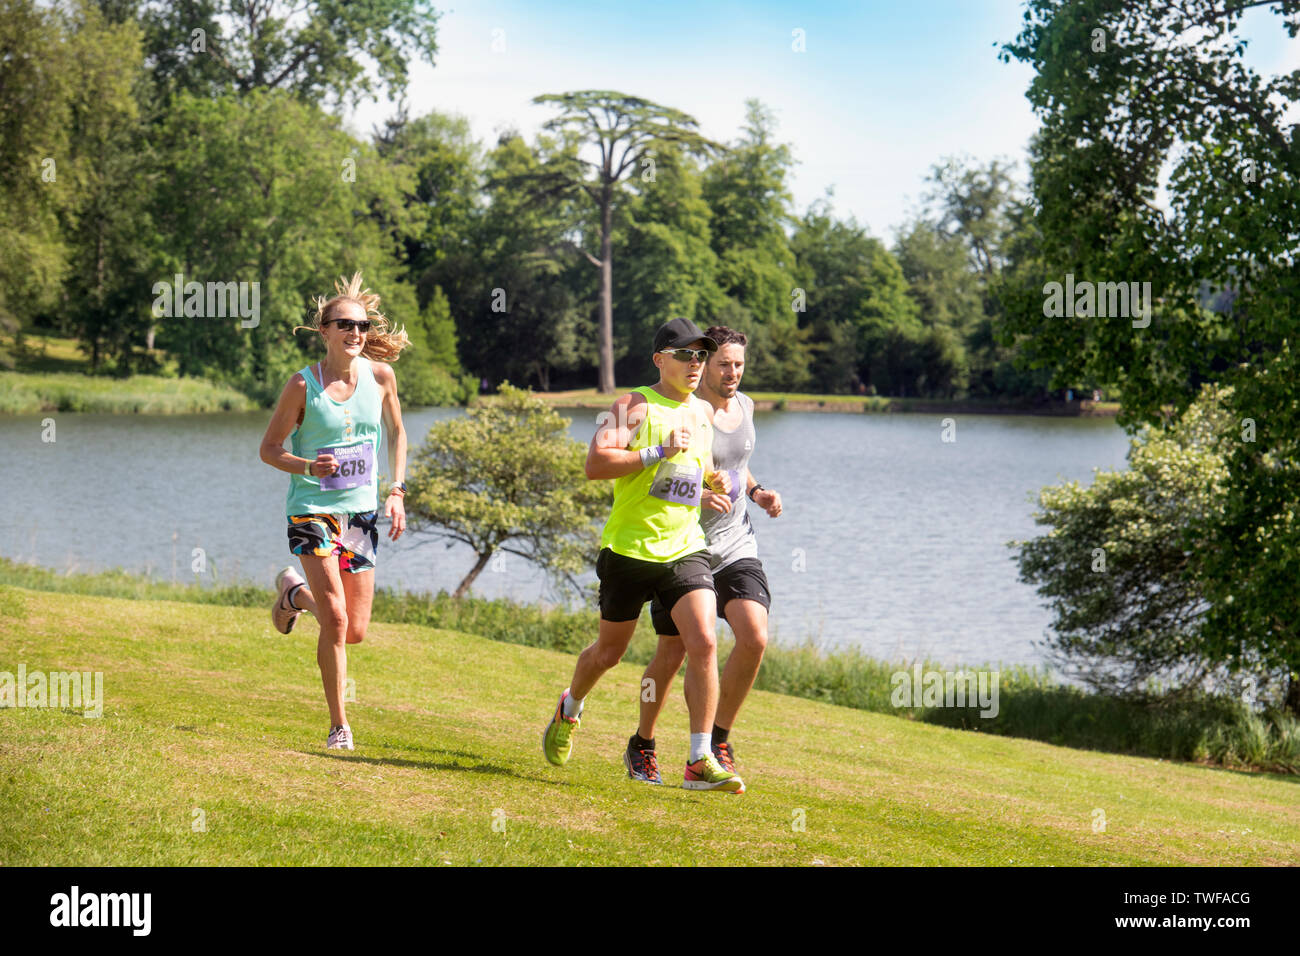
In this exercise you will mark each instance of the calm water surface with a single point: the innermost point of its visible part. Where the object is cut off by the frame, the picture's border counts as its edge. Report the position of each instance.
(891, 539)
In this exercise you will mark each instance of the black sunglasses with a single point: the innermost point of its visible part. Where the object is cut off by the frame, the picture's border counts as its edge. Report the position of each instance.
(361, 326)
(685, 355)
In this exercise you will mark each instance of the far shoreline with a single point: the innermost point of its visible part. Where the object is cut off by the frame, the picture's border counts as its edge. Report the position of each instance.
(871, 404)
(35, 393)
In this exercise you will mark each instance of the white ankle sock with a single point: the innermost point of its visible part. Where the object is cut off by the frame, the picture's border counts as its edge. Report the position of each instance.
(572, 706)
(700, 746)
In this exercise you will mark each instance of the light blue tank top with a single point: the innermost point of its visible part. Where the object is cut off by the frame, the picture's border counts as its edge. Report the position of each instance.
(355, 433)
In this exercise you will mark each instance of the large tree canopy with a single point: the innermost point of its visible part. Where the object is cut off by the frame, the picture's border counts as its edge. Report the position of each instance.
(316, 49)
(1133, 96)
(65, 100)
(624, 132)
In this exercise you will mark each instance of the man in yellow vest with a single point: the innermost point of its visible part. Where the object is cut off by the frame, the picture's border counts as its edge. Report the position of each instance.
(656, 443)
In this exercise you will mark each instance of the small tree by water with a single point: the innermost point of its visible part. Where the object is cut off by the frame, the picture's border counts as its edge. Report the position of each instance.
(507, 478)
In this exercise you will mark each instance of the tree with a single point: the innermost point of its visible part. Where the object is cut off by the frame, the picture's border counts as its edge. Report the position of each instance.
(65, 109)
(972, 205)
(1005, 360)
(316, 50)
(258, 190)
(1127, 92)
(519, 290)
(856, 294)
(429, 372)
(748, 192)
(974, 235)
(1124, 563)
(111, 236)
(626, 131)
(666, 265)
(439, 158)
(946, 292)
(33, 105)
(779, 355)
(448, 171)
(508, 478)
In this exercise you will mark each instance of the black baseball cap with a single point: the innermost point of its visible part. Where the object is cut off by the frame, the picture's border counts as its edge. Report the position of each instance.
(679, 333)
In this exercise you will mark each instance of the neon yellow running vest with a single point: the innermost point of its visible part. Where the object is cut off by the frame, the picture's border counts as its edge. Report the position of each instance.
(653, 518)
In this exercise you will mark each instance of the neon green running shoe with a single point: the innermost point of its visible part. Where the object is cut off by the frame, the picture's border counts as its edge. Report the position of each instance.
(557, 740)
(707, 774)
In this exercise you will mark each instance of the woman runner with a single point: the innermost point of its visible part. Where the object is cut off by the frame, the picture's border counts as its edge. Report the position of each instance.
(333, 410)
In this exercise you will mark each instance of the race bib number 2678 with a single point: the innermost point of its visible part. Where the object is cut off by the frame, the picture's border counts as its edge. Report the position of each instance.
(356, 467)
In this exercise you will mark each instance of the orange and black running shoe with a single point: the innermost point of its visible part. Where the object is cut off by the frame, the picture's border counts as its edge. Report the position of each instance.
(641, 764)
(726, 755)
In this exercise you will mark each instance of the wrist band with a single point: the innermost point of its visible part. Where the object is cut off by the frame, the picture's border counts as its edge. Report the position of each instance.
(650, 455)
(307, 471)
(757, 487)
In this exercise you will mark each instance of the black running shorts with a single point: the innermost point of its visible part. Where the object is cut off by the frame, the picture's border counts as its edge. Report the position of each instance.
(627, 583)
(743, 580)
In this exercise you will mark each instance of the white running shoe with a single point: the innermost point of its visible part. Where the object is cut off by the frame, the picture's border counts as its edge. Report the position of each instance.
(340, 738)
(283, 614)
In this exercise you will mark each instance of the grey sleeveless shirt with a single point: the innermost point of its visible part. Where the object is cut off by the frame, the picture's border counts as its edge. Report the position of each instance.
(731, 536)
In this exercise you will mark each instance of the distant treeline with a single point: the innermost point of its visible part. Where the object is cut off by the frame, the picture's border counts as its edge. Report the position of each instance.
(145, 142)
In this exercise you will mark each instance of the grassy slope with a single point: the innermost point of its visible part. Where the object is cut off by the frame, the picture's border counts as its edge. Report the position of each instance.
(48, 353)
(207, 707)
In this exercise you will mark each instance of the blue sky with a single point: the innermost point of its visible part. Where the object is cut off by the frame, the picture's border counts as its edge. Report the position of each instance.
(883, 91)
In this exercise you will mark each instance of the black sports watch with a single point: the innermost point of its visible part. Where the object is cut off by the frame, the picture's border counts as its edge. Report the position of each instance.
(757, 487)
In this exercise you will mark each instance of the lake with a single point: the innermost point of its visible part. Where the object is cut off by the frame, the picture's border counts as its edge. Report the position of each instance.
(892, 540)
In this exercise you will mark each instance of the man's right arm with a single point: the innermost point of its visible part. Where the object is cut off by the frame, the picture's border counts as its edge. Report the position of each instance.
(609, 457)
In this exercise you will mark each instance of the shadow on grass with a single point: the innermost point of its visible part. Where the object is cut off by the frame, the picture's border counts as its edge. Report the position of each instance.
(486, 768)
(1253, 774)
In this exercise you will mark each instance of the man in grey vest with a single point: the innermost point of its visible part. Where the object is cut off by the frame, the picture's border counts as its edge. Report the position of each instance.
(743, 593)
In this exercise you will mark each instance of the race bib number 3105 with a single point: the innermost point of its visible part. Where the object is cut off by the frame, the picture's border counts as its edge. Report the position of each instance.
(681, 484)
(356, 467)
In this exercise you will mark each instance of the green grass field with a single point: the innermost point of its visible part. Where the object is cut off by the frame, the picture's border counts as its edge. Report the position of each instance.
(46, 353)
(211, 717)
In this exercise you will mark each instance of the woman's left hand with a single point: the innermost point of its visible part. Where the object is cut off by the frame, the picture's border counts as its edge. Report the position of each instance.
(395, 510)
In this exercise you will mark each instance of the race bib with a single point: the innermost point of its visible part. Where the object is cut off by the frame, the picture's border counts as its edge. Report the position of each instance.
(356, 466)
(680, 484)
(737, 484)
